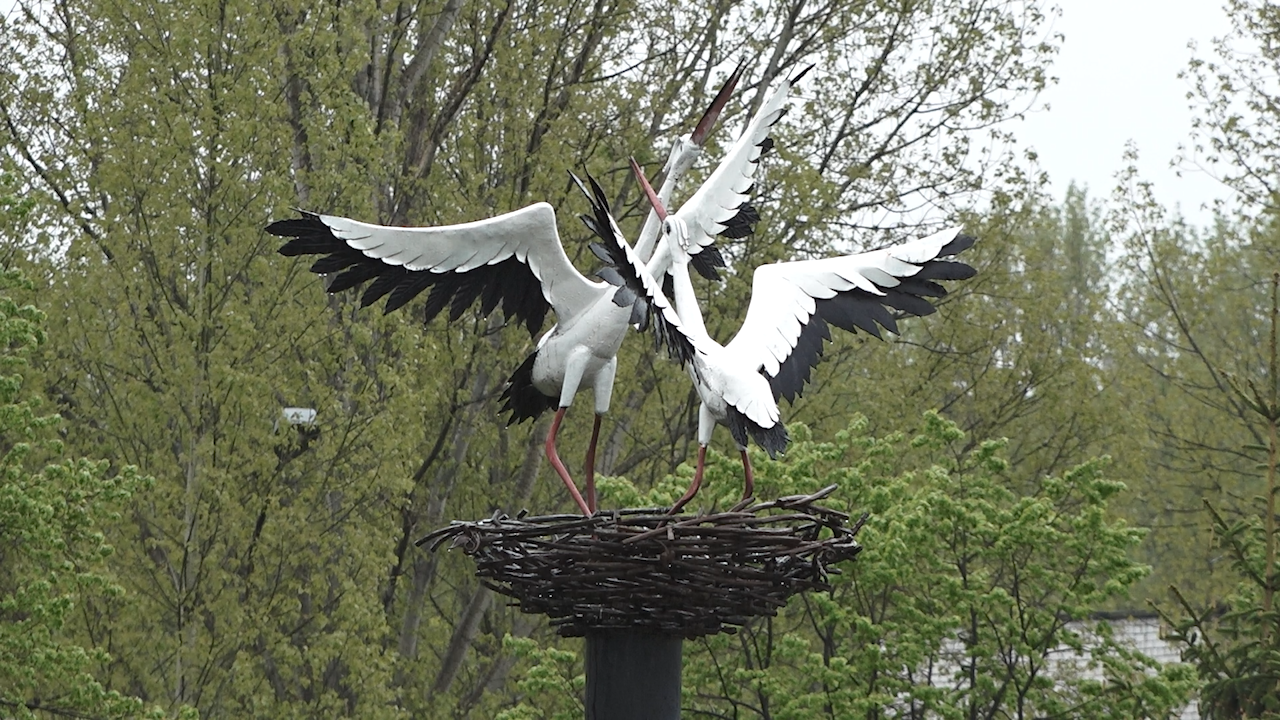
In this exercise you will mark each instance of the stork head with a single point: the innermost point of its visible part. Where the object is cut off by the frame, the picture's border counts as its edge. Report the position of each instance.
(674, 227)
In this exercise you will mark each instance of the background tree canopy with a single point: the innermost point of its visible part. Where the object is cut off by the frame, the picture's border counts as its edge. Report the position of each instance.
(267, 568)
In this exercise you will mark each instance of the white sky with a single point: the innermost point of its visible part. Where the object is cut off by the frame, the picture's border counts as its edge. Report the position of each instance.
(1118, 81)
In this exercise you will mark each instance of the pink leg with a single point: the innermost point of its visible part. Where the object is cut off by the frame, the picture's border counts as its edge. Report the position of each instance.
(591, 464)
(697, 482)
(554, 457)
(750, 486)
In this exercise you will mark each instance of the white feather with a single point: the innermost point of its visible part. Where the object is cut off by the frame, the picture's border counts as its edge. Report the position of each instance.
(783, 294)
(719, 198)
(528, 234)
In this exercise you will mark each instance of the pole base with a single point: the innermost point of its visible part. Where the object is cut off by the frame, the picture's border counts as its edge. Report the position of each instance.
(632, 675)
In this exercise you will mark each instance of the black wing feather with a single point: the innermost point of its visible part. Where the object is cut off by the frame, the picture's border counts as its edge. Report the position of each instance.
(958, 245)
(412, 284)
(857, 309)
(525, 299)
(743, 223)
(625, 297)
(352, 277)
(948, 270)
(922, 287)
(381, 285)
(772, 439)
(907, 303)
(338, 261)
(644, 309)
(310, 236)
(468, 291)
(706, 262)
(490, 299)
(521, 398)
(611, 276)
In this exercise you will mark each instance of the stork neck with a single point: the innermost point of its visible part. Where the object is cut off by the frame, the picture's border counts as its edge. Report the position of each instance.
(658, 265)
(678, 164)
(648, 236)
(686, 302)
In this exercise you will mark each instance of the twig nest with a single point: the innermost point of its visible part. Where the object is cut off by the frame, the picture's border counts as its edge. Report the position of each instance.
(642, 569)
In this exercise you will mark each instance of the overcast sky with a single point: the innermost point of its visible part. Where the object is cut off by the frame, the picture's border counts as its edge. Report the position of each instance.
(1118, 81)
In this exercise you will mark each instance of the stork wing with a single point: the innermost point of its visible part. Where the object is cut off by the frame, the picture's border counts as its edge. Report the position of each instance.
(514, 258)
(720, 205)
(793, 302)
(636, 288)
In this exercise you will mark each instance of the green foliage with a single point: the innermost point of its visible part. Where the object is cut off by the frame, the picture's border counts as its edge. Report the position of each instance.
(1203, 355)
(53, 554)
(1235, 123)
(551, 685)
(969, 599)
(1190, 306)
(965, 600)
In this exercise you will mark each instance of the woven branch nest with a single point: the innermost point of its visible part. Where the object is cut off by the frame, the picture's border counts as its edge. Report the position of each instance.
(643, 569)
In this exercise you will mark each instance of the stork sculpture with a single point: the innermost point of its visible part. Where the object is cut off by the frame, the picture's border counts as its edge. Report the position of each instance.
(515, 260)
(518, 260)
(782, 337)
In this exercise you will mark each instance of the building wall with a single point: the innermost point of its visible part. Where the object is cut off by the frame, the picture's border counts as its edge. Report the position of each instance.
(1139, 633)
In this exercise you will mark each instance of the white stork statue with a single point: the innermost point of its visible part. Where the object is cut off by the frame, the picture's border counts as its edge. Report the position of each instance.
(792, 304)
(517, 260)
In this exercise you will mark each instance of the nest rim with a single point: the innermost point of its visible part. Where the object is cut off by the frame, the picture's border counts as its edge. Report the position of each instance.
(645, 570)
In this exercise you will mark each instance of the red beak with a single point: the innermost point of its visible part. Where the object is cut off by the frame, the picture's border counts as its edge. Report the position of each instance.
(648, 190)
(712, 114)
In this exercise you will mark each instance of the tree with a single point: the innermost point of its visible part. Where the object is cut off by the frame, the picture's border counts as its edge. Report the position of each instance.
(1234, 646)
(1193, 299)
(969, 599)
(956, 607)
(1189, 300)
(53, 555)
(1236, 125)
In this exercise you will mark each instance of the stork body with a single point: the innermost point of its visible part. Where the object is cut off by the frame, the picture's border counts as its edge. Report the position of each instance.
(582, 354)
(787, 324)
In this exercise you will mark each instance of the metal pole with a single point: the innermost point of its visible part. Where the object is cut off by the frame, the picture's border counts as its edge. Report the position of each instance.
(633, 676)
